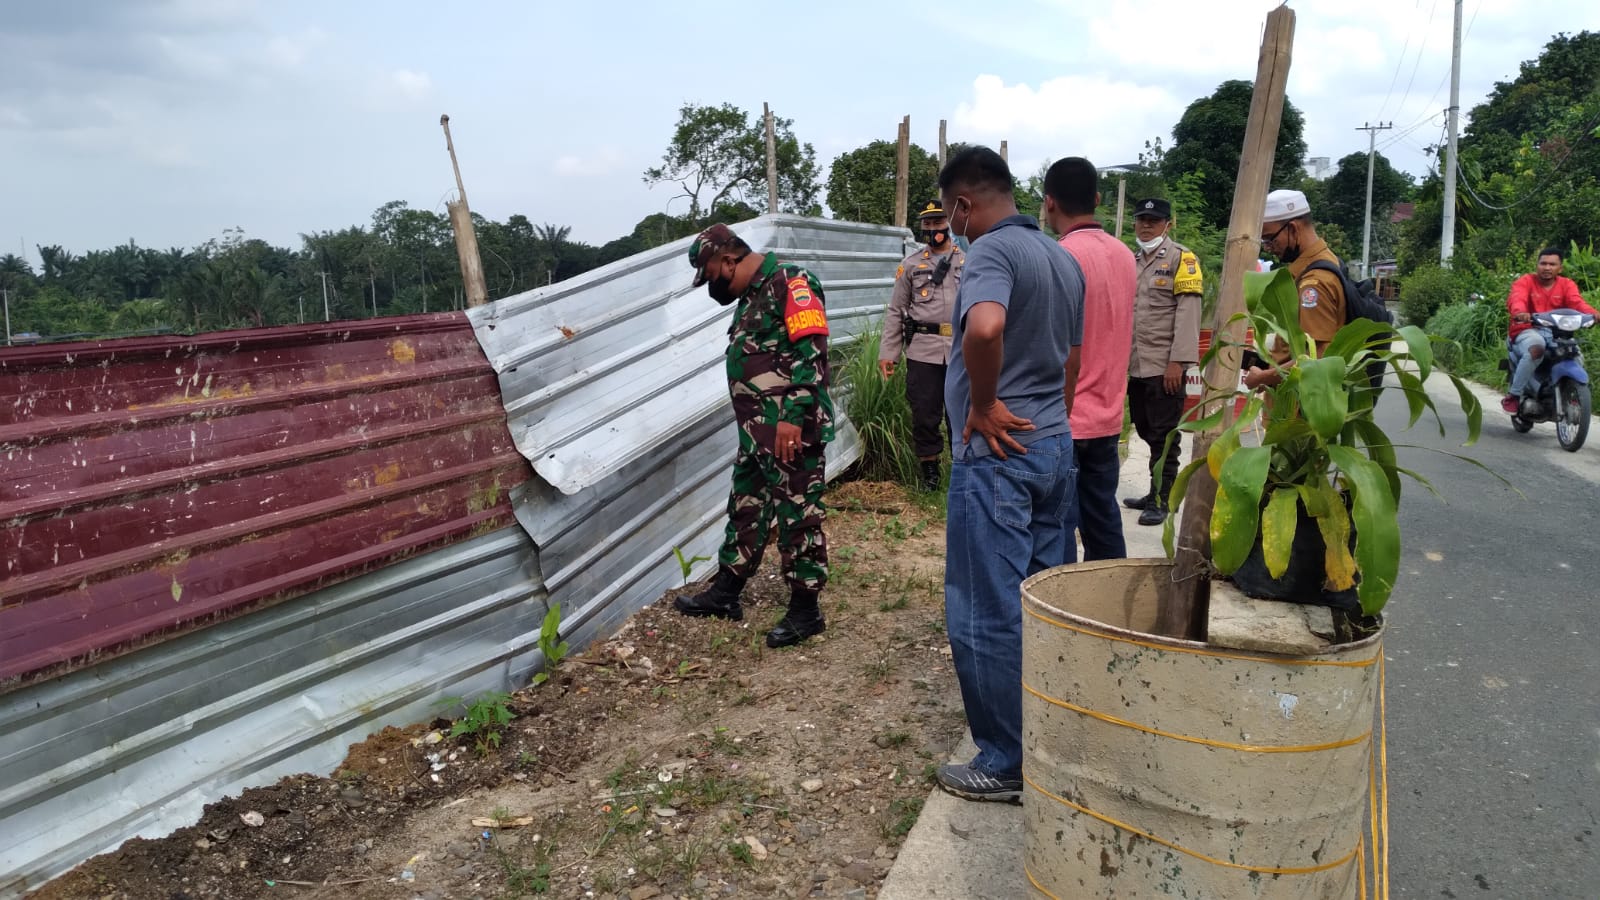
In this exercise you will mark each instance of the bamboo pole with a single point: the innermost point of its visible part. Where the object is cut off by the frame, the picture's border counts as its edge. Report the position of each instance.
(902, 177)
(1185, 611)
(943, 147)
(1122, 197)
(466, 237)
(772, 161)
(1003, 154)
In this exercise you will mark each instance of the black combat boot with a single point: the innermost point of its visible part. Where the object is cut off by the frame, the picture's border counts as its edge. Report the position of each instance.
(1139, 502)
(930, 474)
(1155, 513)
(721, 599)
(803, 620)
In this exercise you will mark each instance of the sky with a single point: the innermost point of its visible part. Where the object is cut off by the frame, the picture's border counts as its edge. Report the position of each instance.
(167, 121)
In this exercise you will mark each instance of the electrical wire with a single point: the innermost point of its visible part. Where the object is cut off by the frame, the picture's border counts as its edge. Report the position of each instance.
(1572, 147)
(1398, 63)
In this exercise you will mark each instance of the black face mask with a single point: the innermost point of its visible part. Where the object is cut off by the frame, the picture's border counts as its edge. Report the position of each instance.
(721, 287)
(936, 238)
(1290, 253)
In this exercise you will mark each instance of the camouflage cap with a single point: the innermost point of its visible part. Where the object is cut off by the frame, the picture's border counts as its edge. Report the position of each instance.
(705, 247)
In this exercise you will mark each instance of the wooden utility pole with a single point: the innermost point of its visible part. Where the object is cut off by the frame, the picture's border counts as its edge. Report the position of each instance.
(1184, 612)
(466, 237)
(1122, 197)
(1003, 154)
(902, 178)
(772, 161)
(943, 147)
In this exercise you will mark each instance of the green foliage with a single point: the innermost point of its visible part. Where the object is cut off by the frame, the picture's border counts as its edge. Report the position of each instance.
(880, 413)
(686, 566)
(861, 184)
(1425, 290)
(551, 645)
(1209, 139)
(1341, 198)
(485, 718)
(718, 154)
(1321, 445)
(1476, 339)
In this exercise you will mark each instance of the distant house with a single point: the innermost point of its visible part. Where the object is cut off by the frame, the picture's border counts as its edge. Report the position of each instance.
(1402, 212)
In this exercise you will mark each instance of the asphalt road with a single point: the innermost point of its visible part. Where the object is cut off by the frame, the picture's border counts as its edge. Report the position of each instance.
(1493, 669)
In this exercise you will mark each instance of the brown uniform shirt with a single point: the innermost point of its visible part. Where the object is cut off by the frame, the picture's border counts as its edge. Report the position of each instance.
(1321, 299)
(1166, 310)
(916, 297)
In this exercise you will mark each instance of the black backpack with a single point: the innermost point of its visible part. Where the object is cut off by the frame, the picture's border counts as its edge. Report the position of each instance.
(1362, 302)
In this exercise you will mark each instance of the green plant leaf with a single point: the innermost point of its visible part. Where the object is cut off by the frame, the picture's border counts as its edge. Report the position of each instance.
(1180, 486)
(1416, 395)
(1286, 431)
(1314, 499)
(1237, 513)
(1223, 447)
(1376, 525)
(1324, 401)
(1278, 523)
(1419, 348)
(1380, 450)
(1472, 408)
(1352, 339)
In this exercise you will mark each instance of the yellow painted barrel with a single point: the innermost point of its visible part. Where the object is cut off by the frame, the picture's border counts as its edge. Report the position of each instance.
(1160, 767)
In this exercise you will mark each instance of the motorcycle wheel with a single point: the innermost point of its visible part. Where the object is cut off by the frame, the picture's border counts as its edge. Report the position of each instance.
(1572, 414)
(1521, 425)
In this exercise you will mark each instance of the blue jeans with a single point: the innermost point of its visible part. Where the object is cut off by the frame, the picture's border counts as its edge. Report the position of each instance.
(1008, 519)
(1523, 362)
(1097, 518)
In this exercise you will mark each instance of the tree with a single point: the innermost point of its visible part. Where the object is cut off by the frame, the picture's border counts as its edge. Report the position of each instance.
(1209, 140)
(717, 155)
(861, 183)
(1340, 199)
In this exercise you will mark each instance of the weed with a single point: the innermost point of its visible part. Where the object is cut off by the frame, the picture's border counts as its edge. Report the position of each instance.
(485, 717)
(740, 851)
(687, 565)
(895, 530)
(689, 857)
(881, 414)
(551, 644)
(527, 759)
(899, 603)
(896, 738)
(903, 814)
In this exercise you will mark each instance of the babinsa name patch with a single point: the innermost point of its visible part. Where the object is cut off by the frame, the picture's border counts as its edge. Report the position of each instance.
(802, 314)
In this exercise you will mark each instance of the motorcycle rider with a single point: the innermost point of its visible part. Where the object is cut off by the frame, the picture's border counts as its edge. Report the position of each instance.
(1540, 291)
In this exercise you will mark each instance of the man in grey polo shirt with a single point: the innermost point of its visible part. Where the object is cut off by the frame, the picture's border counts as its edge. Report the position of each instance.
(1008, 393)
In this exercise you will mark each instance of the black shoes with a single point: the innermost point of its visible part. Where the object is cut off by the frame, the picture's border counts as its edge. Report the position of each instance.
(1154, 514)
(930, 475)
(804, 619)
(1139, 502)
(720, 600)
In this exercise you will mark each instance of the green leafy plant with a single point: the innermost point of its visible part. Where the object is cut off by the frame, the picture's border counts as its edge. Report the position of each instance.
(551, 644)
(1322, 449)
(485, 717)
(687, 565)
(880, 413)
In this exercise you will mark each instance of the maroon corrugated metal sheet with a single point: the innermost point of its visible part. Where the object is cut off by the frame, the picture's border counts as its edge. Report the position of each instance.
(153, 484)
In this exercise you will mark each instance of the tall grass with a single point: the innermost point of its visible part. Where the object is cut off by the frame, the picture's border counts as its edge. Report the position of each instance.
(880, 413)
(1478, 335)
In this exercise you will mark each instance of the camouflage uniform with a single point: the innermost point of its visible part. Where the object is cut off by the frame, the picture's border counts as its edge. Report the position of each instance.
(777, 366)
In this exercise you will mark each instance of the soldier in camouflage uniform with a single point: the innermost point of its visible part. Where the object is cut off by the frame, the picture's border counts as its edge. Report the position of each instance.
(777, 366)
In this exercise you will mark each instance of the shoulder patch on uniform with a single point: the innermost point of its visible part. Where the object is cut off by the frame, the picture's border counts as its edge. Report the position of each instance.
(802, 314)
(900, 270)
(1309, 298)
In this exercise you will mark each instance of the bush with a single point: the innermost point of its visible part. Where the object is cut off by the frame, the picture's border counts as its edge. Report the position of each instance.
(1427, 290)
(881, 414)
(1478, 335)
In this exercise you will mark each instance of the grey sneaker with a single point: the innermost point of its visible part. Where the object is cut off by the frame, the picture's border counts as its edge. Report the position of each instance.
(971, 783)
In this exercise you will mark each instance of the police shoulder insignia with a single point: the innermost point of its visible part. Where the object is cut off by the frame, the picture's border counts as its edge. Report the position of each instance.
(1308, 298)
(899, 270)
(802, 314)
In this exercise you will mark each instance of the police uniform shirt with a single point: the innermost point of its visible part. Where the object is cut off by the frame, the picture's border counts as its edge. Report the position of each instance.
(917, 298)
(1166, 310)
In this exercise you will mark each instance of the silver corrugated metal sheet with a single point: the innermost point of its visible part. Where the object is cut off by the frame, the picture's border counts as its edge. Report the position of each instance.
(137, 745)
(614, 390)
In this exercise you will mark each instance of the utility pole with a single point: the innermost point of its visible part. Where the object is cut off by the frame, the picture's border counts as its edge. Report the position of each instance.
(1366, 230)
(374, 282)
(943, 147)
(772, 161)
(1447, 234)
(302, 309)
(1004, 155)
(326, 315)
(466, 237)
(1122, 196)
(902, 178)
(5, 297)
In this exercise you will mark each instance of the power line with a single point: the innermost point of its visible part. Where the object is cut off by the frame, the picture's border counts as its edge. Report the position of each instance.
(1572, 147)
(1432, 10)
(1398, 63)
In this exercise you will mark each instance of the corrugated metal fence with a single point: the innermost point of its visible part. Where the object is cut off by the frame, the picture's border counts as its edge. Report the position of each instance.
(229, 557)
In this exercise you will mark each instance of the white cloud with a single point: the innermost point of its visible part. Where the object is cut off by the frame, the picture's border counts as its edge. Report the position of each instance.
(411, 85)
(603, 162)
(1074, 115)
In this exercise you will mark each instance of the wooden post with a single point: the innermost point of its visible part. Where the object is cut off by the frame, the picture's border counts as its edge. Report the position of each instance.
(772, 161)
(1003, 154)
(1122, 197)
(466, 237)
(943, 147)
(1185, 612)
(902, 178)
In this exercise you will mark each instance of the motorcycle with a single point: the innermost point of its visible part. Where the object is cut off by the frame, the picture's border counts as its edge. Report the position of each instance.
(1561, 380)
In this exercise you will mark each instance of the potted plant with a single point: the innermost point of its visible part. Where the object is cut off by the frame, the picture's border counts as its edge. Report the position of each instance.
(1310, 514)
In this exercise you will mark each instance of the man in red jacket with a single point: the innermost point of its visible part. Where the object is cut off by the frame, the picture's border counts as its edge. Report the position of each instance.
(1537, 292)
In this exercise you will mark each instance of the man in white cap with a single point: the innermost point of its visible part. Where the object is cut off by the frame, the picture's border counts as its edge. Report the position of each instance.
(1288, 234)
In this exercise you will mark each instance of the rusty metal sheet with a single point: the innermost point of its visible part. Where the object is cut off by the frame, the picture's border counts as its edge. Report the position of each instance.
(154, 484)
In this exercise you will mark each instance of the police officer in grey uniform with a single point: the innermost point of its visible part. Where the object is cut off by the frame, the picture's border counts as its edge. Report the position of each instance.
(917, 322)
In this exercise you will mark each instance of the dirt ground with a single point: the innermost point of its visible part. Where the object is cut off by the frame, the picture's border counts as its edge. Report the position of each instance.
(680, 758)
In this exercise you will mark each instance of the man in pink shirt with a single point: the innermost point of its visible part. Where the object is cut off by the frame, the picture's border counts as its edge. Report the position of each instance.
(1537, 292)
(1070, 197)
